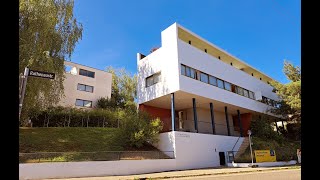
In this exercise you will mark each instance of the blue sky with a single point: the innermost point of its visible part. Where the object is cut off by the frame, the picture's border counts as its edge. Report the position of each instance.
(262, 33)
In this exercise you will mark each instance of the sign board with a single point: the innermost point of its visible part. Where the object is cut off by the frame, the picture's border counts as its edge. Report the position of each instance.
(265, 156)
(41, 74)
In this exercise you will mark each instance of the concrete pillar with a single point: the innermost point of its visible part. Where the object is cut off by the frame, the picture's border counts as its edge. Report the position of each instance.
(212, 119)
(227, 119)
(240, 123)
(172, 113)
(195, 118)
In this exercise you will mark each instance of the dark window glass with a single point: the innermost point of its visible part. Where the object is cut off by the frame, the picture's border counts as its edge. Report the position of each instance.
(79, 102)
(81, 87)
(156, 78)
(189, 42)
(149, 81)
(86, 73)
(205, 50)
(227, 86)
(220, 84)
(83, 103)
(188, 71)
(204, 77)
(153, 79)
(183, 70)
(212, 80)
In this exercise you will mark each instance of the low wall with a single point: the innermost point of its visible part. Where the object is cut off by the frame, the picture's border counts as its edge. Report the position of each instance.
(93, 168)
(264, 164)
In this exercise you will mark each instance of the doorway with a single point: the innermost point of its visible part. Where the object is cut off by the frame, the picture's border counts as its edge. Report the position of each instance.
(222, 158)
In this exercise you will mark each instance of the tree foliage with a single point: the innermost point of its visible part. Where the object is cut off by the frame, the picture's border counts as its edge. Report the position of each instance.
(290, 93)
(124, 90)
(48, 33)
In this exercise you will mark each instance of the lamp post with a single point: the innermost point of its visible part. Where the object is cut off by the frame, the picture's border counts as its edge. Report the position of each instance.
(249, 133)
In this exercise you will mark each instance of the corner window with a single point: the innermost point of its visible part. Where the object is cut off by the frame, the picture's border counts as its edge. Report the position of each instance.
(153, 79)
(220, 84)
(204, 77)
(83, 103)
(86, 73)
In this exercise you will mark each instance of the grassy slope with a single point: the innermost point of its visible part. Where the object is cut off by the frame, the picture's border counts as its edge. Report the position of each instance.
(68, 139)
(284, 151)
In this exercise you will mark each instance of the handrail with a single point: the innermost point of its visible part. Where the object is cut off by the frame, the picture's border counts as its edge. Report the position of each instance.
(236, 143)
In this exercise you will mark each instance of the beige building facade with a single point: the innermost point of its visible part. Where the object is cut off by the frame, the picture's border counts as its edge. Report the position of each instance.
(83, 86)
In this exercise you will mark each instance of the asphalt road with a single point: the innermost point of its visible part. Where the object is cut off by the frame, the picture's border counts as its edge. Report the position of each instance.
(294, 174)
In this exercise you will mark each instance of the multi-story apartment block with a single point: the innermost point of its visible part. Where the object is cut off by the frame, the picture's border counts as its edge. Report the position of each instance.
(84, 85)
(204, 95)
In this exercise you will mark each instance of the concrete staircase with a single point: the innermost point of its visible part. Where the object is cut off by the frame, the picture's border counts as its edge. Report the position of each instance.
(243, 147)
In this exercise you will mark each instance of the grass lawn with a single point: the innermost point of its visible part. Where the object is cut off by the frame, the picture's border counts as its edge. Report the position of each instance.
(67, 143)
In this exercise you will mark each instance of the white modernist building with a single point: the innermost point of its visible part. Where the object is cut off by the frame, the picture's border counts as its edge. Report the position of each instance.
(84, 85)
(205, 97)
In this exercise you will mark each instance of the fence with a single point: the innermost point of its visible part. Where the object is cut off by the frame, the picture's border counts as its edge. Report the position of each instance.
(206, 128)
(38, 157)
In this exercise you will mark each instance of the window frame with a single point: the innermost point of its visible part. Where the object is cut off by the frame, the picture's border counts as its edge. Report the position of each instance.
(86, 73)
(218, 83)
(83, 103)
(85, 88)
(153, 79)
(207, 77)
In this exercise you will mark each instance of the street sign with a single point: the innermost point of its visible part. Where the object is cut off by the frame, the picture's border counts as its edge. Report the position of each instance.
(41, 74)
(249, 132)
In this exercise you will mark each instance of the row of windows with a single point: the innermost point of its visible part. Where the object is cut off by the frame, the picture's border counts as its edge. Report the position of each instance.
(83, 103)
(83, 87)
(206, 78)
(269, 101)
(153, 79)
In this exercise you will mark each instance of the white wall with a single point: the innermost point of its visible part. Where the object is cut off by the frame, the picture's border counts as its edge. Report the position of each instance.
(101, 85)
(165, 59)
(93, 168)
(195, 150)
(166, 143)
(204, 62)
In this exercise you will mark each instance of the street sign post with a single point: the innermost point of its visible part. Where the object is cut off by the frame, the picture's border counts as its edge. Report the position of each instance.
(34, 73)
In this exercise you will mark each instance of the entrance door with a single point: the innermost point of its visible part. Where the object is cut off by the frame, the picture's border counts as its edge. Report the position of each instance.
(222, 159)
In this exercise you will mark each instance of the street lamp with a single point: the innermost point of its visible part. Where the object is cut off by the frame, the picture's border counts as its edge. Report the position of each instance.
(249, 132)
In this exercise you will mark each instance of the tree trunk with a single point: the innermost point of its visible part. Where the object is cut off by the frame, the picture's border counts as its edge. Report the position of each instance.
(103, 121)
(48, 121)
(64, 122)
(88, 121)
(69, 121)
(82, 121)
(44, 121)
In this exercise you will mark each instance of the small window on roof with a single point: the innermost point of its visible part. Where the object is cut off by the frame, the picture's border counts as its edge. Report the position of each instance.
(231, 64)
(189, 42)
(260, 78)
(205, 50)
(251, 74)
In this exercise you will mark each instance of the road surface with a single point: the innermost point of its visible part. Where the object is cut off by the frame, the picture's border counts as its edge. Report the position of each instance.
(294, 174)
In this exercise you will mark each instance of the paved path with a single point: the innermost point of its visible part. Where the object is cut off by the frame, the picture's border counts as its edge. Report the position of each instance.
(293, 174)
(193, 174)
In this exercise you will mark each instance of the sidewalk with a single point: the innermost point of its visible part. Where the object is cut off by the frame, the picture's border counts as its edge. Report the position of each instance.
(186, 173)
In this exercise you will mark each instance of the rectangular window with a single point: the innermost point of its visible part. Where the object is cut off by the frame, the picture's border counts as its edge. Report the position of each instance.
(183, 70)
(212, 80)
(86, 73)
(83, 87)
(245, 93)
(227, 86)
(251, 95)
(204, 77)
(83, 103)
(188, 71)
(220, 84)
(193, 73)
(240, 91)
(153, 79)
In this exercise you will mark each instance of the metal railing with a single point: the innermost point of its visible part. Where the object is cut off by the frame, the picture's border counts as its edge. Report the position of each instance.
(206, 128)
(38, 157)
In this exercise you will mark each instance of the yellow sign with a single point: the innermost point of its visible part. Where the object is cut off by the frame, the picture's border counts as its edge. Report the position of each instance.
(265, 156)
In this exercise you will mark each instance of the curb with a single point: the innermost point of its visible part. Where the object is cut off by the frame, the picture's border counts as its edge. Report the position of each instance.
(218, 173)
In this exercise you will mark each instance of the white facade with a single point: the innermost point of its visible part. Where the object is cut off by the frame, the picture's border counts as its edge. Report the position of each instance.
(84, 88)
(174, 52)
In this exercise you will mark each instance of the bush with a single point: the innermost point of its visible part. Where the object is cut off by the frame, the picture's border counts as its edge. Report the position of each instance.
(138, 128)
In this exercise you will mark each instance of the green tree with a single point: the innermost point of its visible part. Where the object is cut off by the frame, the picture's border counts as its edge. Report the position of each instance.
(290, 93)
(48, 33)
(124, 90)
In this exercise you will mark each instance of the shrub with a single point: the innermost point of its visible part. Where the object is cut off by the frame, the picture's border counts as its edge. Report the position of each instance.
(138, 128)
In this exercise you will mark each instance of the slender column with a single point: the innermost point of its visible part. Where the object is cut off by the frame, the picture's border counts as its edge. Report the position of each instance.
(172, 113)
(227, 119)
(282, 124)
(212, 119)
(195, 115)
(240, 123)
